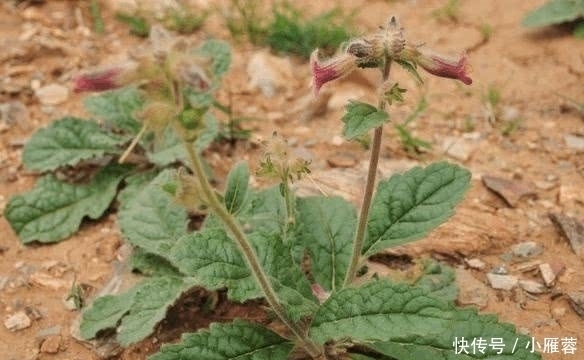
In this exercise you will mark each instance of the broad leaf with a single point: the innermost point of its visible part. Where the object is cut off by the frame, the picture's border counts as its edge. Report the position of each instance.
(264, 212)
(239, 340)
(116, 108)
(438, 280)
(403, 316)
(151, 265)
(138, 310)
(554, 12)
(215, 260)
(171, 149)
(236, 189)
(326, 227)
(151, 219)
(106, 312)
(360, 118)
(66, 142)
(406, 207)
(53, 209)
(149, 307)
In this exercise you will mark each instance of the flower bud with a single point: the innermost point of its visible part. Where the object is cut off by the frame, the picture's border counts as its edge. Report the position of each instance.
(106, 78)
(443, 66)
(331, 69)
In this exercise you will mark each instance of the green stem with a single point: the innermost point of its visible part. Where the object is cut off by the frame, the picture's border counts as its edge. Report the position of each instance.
(289, 200)
(248, 253)
(369, 188)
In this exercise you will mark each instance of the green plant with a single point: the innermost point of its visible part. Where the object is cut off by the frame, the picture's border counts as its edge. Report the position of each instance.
(449, 12)
(255, 243)
(184, 21)
(95, 12)
(137, 23)
(286, 30)
(409, 142)
(556, 12)
(55, 208)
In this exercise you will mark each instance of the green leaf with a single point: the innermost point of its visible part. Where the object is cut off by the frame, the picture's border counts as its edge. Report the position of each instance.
(326, 227)
(220, 52)
(151, 219)
(579, 30)
(216, 261)
(151, 265)
(171, 149)
(149, 307)
(139, 309)
(406, 207)
(68, 141)
(106, 312)
(236, 189)
(400, 316)
(439, 281)
(360, 118)
(239, 340)
(116, 108)
(53, 209)
(554, 12)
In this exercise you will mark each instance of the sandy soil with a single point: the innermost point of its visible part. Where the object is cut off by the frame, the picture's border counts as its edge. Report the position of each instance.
(52, 42)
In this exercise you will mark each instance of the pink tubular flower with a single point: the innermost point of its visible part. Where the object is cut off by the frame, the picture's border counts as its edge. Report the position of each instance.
(439, 65)
(105, 79)
(331, 69)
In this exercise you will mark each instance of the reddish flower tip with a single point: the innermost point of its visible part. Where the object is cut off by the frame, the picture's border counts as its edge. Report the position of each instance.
(331, 69)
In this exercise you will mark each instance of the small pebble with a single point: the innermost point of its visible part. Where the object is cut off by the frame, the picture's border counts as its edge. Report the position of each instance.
(51, 344)
(532, 287)
(527, 249)
(475, 263)
(52, 94)
(502, 282)
(17, 321)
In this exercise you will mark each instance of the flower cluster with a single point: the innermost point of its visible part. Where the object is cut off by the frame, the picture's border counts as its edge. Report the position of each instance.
(387, 44)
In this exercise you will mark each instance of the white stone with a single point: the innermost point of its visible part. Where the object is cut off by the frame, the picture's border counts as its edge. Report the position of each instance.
(52, 94)
(458, 148)
(268, 73)
(574, 142)
(17, 321)
(502, 282)
(532, 287)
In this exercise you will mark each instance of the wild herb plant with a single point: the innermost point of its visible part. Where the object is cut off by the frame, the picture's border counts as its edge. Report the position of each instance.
(556, 12)
(304, 256)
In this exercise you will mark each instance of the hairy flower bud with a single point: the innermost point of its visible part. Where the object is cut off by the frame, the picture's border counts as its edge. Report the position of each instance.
(106, 78)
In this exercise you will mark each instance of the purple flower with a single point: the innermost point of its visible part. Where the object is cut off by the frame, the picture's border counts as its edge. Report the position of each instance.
(330, 69)
(443, 66)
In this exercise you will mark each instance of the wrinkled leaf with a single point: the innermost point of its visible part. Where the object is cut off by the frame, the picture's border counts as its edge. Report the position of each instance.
(66, 142)
(151, 265)
(116, 108)
(406, 207)
(151, 219)
(326, 227)
(216, 261)
(554, 12)
(394, 317)
(439, 281)
(149, 307)
(360, 118)
(239, 340)
(236, 189)
(53, 209)
(106, 312)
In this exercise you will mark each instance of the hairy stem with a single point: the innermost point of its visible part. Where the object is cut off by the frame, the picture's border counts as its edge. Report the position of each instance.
(369, 188)
(249, 254)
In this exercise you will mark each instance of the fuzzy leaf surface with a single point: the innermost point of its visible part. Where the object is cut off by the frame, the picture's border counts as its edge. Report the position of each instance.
(68, 141)
(213, 258)
(439, 281)
(360, 118)
(385, 312)
(554, 12)
(106, 312)
(116, 108)
(220, 52)
(406, 207)
(326, 227)
(53, 209)
(149, 307)
(239, 340)
(151, 219)
(236, 189)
